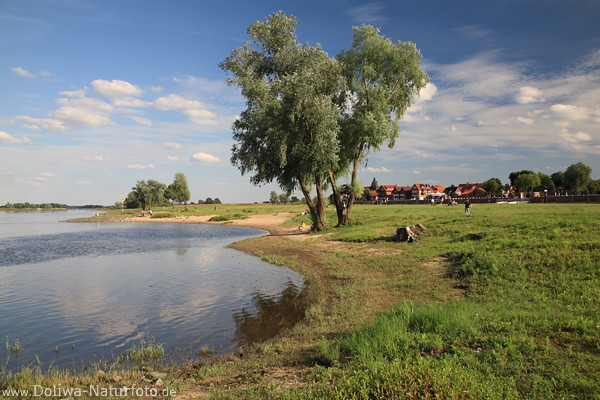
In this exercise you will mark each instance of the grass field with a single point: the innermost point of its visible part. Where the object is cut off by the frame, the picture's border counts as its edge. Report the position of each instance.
(501, 305)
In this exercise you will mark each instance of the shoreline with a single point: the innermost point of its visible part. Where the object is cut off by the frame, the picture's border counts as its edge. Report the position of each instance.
(272, 223)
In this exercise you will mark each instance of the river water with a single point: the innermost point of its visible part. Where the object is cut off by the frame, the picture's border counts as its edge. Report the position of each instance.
(74, 293)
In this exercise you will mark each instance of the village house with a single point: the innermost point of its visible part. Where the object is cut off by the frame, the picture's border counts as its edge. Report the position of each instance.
(402, 193)
(385, 192)
(470, 190)
(422, 191)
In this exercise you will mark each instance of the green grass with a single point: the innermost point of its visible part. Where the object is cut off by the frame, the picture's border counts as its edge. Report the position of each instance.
(502, 305)
(527, 325)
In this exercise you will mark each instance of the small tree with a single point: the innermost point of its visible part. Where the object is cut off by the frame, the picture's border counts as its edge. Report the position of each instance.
(546, 183)
(209, 201)
(178, 190)
(492, 186)
(527, 181)
(274, 197)
(284, 198)
(577, 176)
(512, 177)
(558, 178)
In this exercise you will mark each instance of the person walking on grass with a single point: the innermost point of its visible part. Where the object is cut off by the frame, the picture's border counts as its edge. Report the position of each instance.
(467, 208)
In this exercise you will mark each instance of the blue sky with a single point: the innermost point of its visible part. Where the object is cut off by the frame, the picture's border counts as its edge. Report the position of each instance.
(96, 95)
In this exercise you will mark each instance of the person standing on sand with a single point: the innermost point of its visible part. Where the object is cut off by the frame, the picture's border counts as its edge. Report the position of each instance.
(467, 208)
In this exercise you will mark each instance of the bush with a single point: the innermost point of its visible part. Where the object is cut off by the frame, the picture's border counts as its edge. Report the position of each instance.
(164, 215)
(219, 218)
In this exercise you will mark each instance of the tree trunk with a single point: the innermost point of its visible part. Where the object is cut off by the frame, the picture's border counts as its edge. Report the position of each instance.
(320, 223)
(312, 207)
(337, 200)
(356, 163)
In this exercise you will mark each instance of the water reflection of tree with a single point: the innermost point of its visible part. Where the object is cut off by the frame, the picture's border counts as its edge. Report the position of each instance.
(272, 314)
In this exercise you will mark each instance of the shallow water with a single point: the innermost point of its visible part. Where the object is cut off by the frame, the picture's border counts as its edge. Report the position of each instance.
(75, 293)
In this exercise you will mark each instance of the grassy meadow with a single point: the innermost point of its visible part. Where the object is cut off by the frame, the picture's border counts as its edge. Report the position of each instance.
(501, 305)
(504, 304)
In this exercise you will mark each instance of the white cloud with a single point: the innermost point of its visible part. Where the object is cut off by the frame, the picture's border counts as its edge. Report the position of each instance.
(141, 166)
(84, 112)
(196, 111)
(416, 172)
(577, 137)
(97, 158)
(525, 121)
(172, 158)
(22, 72)
(115, 88)
(38, 124)
(128, 102)
(73, 93)
(380, 169)
(172, 145)
(370, 13)
(571, 112)
(482, 76)
(48, 174)
(203, 157)
(415, 111)
(141, 120)
(84, 183)
(529, 94)
(6, 137)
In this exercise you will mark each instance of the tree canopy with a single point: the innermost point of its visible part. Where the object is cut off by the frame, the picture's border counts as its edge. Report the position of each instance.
(577, 176)
(178, 191)
(492, 186)
(527, 181)
(382, 78)
(288, 132)
(311, 118)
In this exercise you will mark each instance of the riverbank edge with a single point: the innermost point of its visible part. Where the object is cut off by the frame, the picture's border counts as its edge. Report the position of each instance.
(275, 352)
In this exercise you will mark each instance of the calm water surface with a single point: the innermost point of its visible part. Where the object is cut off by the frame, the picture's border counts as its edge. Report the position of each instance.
(75, 293)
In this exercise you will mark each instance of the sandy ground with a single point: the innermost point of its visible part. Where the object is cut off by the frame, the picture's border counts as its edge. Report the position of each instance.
(269, 222)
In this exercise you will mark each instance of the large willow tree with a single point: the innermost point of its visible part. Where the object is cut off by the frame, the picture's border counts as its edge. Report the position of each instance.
(288, 132)
(381, 80)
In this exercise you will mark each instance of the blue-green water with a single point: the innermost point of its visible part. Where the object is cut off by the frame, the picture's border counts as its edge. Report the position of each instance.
(75, 293)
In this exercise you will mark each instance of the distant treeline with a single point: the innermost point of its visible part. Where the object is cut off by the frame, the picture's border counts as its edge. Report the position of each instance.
(46, 206)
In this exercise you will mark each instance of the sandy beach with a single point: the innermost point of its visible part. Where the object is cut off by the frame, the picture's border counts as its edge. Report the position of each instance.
(273, 223)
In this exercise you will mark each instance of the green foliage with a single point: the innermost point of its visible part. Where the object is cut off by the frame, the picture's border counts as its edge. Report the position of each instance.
(527, 181)
(148, 194)
(382, 79)
(577, 176)
(164, 215)
(288, 132)
(219, 218)
(178, 191)
(514, 175)
(558, 178)
(492, 186)
(546, 183)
